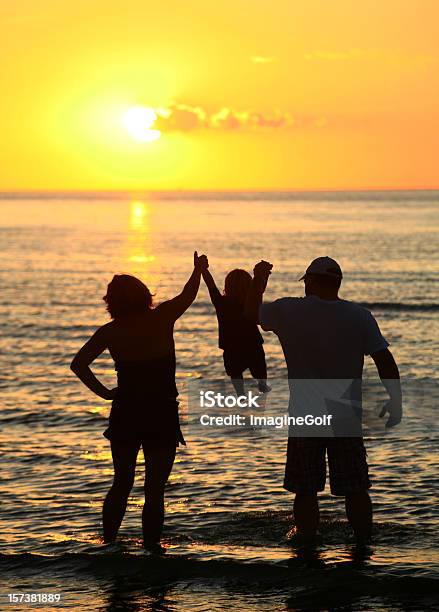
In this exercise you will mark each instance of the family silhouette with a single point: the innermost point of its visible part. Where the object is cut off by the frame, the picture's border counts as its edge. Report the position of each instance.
(322, 336)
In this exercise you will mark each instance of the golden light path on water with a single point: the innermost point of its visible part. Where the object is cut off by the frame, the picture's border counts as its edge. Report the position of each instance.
(139, 233)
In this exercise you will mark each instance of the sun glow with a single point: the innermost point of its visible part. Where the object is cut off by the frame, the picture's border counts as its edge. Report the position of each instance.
(138, 121)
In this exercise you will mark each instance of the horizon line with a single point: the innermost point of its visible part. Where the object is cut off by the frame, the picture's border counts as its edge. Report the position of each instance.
(132, 192)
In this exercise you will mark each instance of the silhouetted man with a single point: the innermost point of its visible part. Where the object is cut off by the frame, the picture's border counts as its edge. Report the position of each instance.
(325, 338)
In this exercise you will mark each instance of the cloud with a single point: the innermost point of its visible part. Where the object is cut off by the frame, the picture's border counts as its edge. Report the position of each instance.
(262, 59)
(180, 117)
(226, 118)
(185, 118)
(273, 120)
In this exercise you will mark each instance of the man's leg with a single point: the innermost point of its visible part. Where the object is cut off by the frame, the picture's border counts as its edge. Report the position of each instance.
(349, 477)
(359, 514)
(305, 474)
(306, 515)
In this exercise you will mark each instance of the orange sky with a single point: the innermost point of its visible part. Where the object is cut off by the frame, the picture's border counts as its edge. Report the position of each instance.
(254, 94)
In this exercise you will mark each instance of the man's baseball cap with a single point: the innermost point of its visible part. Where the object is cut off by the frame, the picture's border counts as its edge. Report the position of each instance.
(325, 266)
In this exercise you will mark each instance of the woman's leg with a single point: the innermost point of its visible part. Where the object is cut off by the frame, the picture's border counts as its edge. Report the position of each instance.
(124, 462)
(158, 466)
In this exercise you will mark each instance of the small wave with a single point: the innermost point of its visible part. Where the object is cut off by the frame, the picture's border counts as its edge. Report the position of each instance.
(268, 574)
(286, 586)
(398, 306)
(401, 306)
(270, 528)
(51, 416)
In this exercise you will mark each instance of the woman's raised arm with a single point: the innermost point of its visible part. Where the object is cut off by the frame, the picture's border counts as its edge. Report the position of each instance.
(178, 305)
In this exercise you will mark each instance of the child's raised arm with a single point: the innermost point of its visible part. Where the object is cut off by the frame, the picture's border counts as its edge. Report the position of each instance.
(214, 292)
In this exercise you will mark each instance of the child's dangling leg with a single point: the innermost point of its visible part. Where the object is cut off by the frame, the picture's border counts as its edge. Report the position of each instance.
(234, 369)
(238, 384)
(262, 386)
(258, 369)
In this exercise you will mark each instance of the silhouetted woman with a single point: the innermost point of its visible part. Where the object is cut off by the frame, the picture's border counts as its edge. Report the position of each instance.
(144, 412)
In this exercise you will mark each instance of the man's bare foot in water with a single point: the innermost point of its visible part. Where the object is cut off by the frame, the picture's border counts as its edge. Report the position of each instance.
(154, 548)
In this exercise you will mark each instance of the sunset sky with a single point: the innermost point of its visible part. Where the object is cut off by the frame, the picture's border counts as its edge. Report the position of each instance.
(242, 94)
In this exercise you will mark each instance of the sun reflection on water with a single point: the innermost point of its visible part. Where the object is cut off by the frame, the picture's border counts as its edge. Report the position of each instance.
(139, 236)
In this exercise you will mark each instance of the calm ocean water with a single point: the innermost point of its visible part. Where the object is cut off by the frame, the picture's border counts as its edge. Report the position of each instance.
(227, 513)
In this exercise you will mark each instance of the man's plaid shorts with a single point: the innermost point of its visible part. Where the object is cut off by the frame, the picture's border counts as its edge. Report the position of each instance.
(305, 470)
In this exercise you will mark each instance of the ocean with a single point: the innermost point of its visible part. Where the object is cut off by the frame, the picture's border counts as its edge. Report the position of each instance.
(227, 514)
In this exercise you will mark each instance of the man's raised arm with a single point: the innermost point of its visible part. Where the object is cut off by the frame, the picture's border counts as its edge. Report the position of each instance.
(261, 272)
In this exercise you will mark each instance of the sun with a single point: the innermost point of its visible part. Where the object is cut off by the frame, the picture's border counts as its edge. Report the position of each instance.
(138, 121)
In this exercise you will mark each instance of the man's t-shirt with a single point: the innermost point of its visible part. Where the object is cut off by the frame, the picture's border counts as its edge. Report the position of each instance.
(324, 343)
(323, 338)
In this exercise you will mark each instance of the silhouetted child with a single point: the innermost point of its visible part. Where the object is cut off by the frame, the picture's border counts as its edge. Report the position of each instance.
(239, 338)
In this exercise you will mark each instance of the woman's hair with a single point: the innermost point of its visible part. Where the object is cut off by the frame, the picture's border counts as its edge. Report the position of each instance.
(237, 284)
(126, 296)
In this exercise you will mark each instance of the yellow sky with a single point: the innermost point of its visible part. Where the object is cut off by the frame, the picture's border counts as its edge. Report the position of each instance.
(249, 94)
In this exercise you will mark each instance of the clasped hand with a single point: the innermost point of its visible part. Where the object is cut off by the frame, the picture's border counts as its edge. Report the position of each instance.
(200, 261)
